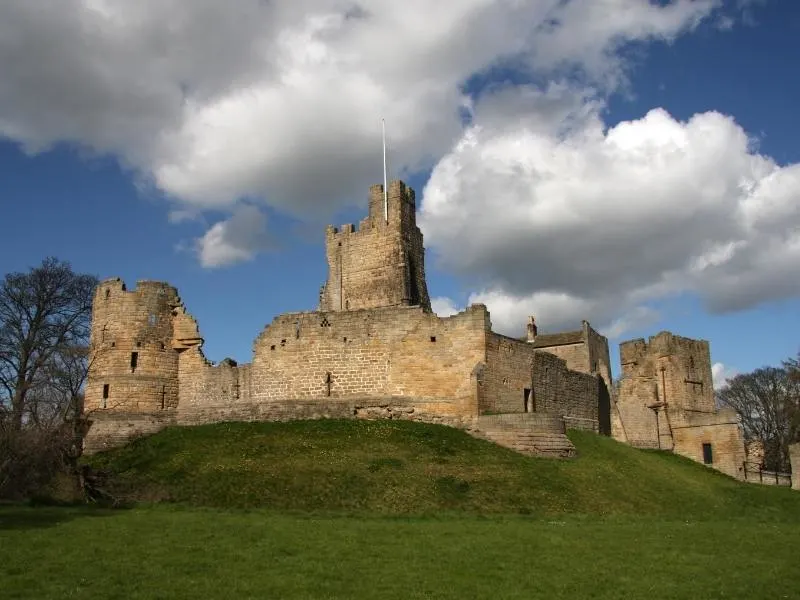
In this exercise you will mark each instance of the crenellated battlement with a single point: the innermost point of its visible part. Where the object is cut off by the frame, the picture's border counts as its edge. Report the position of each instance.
(380, 264)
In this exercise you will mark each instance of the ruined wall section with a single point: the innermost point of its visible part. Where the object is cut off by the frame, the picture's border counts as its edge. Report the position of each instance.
(381, 263)
(133, 366)
(521, 378)
(507, 380)
(569, 346)
(666, 401)
(389, 353)
(720, 432)
(562, 391)
(598, 354)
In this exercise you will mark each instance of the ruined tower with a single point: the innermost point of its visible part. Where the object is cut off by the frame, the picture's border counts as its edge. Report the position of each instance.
(380, 264)
(133, 365)
(666, 401)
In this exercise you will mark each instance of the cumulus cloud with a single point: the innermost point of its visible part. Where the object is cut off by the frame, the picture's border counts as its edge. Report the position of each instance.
(234, 240)
(444, 307)
(721, 373)
(609, 219)
(281, 101)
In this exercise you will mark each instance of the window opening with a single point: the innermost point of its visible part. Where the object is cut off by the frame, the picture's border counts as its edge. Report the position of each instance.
(527, 400)
(708, 456)
(105, 394)
(134, 361)
(163, 396)
(433, 338)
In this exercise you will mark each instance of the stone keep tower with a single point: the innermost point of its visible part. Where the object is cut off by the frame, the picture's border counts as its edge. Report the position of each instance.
(664, 381)
(383, 262)
(133, 365)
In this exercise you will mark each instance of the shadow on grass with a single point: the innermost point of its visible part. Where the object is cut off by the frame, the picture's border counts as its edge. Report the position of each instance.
(27, 516)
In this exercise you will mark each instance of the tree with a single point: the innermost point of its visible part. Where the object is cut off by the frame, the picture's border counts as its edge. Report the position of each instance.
(45, 319)
(767, 402)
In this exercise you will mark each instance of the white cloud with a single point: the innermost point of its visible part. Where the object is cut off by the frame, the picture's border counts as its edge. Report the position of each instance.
(234, 240)
(609, 219)
(281, 101)
(444, 307)
(721, 373)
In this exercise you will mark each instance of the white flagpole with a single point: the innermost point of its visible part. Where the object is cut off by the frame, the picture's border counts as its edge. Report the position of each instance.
(385, 189)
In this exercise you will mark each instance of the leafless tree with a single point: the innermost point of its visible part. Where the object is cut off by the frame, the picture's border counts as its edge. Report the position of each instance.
(45, 320)
(767, 402)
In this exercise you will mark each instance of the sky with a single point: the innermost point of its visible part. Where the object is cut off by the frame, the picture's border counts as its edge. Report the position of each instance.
(630, 162)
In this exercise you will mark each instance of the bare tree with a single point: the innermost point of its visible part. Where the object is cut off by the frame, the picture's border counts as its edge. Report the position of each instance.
(766, 401)
(45, 318)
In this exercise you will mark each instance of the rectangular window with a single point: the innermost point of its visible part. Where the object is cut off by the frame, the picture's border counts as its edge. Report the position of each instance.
(105, 394)
(134, 360)
(708, 457)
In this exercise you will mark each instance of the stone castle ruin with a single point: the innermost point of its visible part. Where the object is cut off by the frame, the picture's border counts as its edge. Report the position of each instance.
(375, 349)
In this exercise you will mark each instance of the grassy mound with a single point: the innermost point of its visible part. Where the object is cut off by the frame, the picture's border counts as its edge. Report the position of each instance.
(401, 467)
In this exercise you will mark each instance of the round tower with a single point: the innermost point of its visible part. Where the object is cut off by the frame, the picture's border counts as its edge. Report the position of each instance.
(133, 366)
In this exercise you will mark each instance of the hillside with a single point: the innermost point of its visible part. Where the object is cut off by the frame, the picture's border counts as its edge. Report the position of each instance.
(401, 467)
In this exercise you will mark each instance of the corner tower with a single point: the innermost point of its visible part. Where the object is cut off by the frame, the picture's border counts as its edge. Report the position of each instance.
(133, 366)
(380, 264)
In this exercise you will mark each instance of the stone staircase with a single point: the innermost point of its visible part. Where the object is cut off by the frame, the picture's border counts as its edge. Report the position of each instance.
(534, 434)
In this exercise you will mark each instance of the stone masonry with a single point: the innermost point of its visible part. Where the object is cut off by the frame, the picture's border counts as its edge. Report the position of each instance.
(373, 349)
(666, 401)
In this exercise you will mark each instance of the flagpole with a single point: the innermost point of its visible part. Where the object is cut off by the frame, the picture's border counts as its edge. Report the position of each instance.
(385, 189)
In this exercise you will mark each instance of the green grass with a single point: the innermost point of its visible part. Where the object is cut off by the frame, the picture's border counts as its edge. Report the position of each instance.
(394, 509)
(179, 552)
(406, 468)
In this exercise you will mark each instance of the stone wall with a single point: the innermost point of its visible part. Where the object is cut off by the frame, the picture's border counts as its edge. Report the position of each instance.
(381, 263)
(507, 379)
(390, 352)
(666, 401)
(133, 366)
(723, 435)
(562, 391)
(520, 378)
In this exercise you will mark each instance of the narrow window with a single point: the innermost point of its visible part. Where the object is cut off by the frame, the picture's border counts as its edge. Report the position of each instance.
(708, 457)
(113, 344)
(105, 394)
(163, 396)
(138, 344)
(134, 360)
(691, 362)
(344, 339)
(526, 400)
(433, 338)
(272, 347)
(108, 292)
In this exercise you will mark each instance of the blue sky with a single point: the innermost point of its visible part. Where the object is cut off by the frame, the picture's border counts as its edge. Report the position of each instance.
(226, 198)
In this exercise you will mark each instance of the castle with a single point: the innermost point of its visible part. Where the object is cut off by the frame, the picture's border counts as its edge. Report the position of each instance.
(375, 349)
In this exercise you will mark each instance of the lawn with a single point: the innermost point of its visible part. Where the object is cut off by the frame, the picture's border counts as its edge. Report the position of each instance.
(180, 552)
(388, 509)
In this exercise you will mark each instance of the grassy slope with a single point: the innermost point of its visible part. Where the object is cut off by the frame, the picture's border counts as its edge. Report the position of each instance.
(400, 467)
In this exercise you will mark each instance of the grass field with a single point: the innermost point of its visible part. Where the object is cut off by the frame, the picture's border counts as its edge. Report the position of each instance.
(331, 509)
(163, 552)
